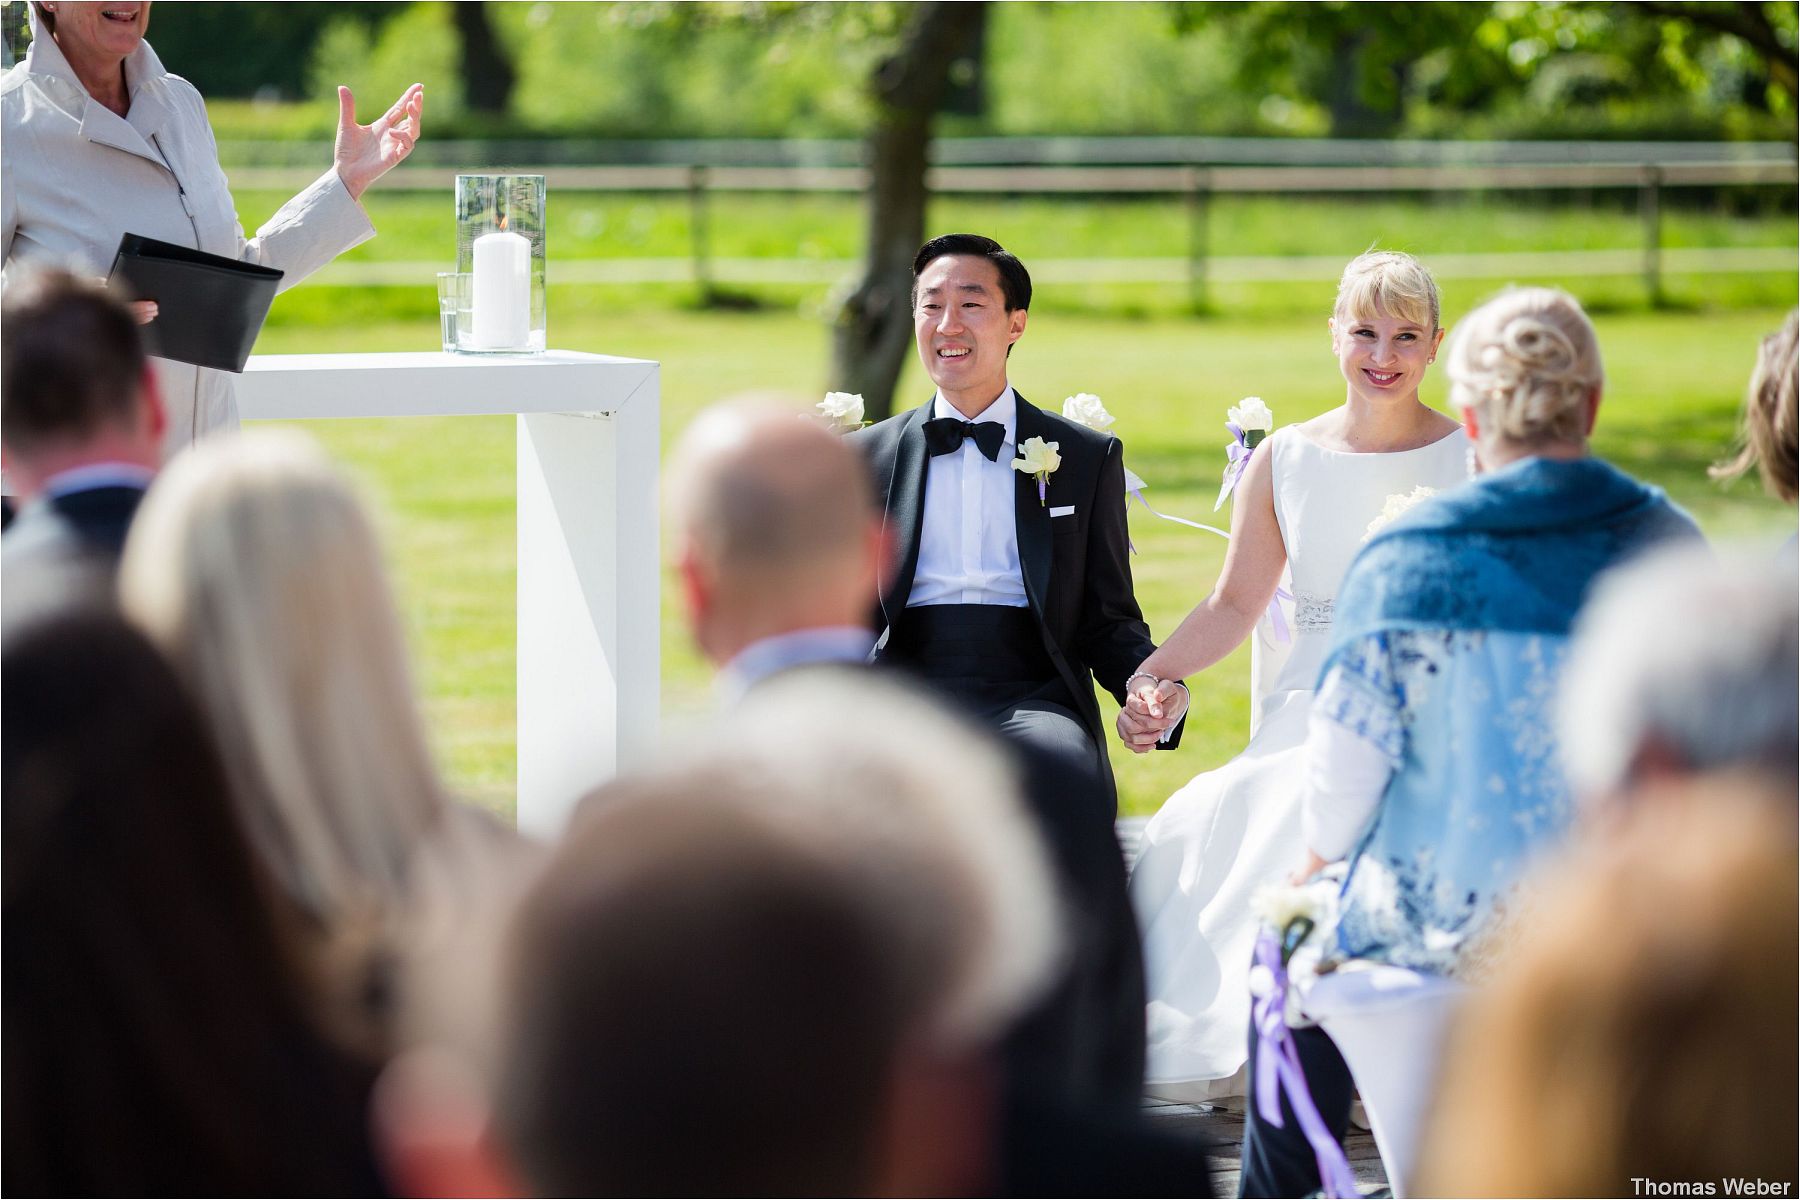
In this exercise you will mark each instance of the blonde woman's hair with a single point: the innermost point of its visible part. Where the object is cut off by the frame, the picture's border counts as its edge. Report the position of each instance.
(1388, 283)
(254, 567)
(1526, 363)
(1771, 423)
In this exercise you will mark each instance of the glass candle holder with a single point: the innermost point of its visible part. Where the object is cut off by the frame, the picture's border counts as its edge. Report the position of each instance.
(500, 244)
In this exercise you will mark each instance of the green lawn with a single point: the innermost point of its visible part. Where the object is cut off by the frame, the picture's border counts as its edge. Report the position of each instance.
(421, 226)
(445, 487)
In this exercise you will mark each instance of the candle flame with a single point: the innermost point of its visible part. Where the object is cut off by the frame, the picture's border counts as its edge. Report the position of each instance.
(502, 224)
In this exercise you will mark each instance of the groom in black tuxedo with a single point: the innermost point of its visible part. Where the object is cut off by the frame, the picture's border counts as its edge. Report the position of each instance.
(1010, 592)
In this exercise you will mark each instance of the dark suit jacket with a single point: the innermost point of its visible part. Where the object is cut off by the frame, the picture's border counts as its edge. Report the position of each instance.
(61, 554)
(1077, 568)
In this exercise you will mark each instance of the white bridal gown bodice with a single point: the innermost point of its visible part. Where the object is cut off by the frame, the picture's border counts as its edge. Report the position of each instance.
(1232, 830)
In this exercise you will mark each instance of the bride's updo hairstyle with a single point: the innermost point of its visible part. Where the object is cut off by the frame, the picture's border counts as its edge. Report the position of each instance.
(1391, 284)
(1525, 363)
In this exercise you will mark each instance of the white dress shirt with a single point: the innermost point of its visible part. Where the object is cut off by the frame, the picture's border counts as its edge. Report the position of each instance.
(969, 540)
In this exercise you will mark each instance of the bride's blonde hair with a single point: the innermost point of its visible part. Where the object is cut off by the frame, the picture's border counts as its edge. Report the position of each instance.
(1388, 283)
(1526, 362)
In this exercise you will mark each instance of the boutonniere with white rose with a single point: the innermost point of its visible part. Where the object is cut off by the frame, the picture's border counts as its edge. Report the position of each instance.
(1248, 422)
(843, 411)
(1040, 459)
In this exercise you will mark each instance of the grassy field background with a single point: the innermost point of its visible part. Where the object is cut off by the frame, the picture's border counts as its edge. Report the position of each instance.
(444, 488)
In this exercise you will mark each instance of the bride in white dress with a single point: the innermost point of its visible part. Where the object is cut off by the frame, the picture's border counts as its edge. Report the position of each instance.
(1299, 515)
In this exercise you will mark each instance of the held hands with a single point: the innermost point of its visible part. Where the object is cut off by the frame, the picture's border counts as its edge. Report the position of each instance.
(364, 153)
(1152, 707)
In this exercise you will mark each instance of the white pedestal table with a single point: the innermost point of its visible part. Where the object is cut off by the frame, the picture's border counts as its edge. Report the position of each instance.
(588, 585)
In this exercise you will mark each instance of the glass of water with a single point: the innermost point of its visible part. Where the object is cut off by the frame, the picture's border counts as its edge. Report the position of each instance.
(453, 307)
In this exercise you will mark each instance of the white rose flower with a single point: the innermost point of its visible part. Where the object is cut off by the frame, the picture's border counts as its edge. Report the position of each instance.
(1394, 506)
(842, 409)
(1086, 409)
(1251, 414)
(1037, 457)
(1279, 905)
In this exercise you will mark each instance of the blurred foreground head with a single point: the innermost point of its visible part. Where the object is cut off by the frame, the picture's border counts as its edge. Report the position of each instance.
(776, 525)
(157, 1036)
(75, 384)
(1685, 663)
(1645, 1024)
(255, 568)
(824, 932)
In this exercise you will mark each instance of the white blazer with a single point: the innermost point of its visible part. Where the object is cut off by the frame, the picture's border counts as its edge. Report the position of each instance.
(75, 177)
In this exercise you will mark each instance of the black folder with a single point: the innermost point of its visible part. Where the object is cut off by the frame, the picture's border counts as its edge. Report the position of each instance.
(209, 308)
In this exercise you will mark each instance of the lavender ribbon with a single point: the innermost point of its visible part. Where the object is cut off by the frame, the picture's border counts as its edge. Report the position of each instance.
(1139, 494)
(1276, 620)
(1278, 1068)
(1237, 455)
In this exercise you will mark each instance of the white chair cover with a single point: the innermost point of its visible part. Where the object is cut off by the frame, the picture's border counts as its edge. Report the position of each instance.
(1389, 1023)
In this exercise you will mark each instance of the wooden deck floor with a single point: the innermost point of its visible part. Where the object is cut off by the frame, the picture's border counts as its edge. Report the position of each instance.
(1227, 1129)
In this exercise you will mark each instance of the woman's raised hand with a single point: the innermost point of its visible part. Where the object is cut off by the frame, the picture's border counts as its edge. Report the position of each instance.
(364, 153)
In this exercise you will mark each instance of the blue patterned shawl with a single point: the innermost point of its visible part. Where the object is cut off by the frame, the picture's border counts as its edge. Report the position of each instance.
(1515, 550)
(1447, 649)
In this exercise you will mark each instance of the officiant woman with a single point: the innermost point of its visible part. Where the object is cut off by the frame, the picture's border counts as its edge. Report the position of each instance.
(102, 141)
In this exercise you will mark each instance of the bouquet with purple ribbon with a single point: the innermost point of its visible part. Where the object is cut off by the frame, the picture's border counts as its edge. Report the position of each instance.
(1291, 915)
(1249, 423)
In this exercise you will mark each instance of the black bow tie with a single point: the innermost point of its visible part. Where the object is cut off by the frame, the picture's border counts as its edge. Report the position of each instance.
(945, 434)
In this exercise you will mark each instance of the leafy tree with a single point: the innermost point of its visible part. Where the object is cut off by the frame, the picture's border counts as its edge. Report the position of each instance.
(252, 49)
(919, 60)
(933, 64)
(1368, 63)
(1357, 59)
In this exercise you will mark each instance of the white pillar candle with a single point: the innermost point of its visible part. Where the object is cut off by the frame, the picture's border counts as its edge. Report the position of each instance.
(502, 286)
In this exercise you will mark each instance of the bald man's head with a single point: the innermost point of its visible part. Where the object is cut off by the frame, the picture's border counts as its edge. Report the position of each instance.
(777, 525)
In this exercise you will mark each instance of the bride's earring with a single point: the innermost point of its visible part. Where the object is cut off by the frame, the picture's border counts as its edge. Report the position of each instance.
(1472, 462)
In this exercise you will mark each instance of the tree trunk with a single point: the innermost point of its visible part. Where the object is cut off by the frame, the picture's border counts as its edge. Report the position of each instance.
(1353, 67)
(487, 73)
(873, 329)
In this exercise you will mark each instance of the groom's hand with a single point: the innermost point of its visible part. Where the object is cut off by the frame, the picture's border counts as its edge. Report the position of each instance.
(1138, 730)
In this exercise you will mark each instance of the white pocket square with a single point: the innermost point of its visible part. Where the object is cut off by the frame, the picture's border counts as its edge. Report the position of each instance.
(1064, 510)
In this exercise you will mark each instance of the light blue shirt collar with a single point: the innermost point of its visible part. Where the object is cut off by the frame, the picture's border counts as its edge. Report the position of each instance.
(803, 647)
(98, 475)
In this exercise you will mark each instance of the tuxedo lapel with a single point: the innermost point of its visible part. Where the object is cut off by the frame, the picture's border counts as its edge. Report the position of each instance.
(906, 510)
(1031, 517)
